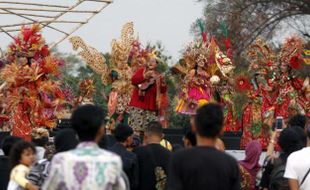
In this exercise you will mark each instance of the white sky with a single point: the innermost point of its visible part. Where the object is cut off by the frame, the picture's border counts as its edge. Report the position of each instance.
(167, 21)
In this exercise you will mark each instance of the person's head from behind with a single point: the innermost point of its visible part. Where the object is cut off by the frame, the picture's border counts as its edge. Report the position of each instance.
(124, 134)
(153, 133)
(23, 153)
(189, 138)
(289, 141)
(301, 134)
(298, 120)
(8, 143)
(65, 139)
(40, 136)
(209, 121)
(88, 121)
(253, 150)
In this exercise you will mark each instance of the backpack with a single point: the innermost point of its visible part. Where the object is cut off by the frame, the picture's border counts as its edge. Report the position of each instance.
(277, 180)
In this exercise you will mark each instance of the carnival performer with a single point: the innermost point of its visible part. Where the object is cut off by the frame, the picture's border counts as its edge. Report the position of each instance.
(86, 92)
(227, 92)
(33, 97)
(276, 91)
(290, 87)
(116, 75)
(149, 86)
(196, 88)
(252, 117)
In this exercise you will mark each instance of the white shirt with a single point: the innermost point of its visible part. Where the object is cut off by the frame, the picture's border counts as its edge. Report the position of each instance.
(18, 177)
(85, 167)
(298, 164)
(40, 152)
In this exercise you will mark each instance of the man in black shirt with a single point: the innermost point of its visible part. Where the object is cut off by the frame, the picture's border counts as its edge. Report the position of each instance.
(124, 138)
(153, 159)
(204, 167)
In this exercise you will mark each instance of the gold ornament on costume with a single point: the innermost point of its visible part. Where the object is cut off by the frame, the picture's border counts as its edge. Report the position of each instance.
(223, 63)
(260, 56)
(87, 88)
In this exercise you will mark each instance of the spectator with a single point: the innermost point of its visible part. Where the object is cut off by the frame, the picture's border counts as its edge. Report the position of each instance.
(298, 168)
(107, 141)
(203, 166)
(176, 147)
(64, 140)
(40, 136)
(124, 139)
(22, 156)
(253, 150)
(298, 120)
(273, 169)
(189, 138)
(153, 159)
(7, 144)
(301, 133)
(87, 166)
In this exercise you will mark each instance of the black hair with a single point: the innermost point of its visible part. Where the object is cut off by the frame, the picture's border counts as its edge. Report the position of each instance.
(40, 141)
(122, 132)
(136, 141)
(298, 120)
(190, 136)
(17, 151)
(87, 120)
(65, 139)
(301, 134)
(155, 127)
(8, 143)
(209, 120)
(289, 140)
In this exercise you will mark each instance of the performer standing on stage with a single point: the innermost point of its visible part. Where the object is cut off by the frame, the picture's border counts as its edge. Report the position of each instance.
(33, 95)
(149, 86)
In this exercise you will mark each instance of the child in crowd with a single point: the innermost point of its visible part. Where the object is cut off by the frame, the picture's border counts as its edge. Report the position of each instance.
(22, 157)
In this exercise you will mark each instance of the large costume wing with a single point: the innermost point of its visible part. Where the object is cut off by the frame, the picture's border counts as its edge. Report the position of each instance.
(260, 56)
(119, 59)
(93, 58)
(122, 47)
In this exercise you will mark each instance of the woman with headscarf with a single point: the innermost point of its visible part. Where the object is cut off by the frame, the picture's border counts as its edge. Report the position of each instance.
(253, 151)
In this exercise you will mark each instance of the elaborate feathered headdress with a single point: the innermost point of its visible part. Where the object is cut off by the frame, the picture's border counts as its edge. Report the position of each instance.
(291, 52)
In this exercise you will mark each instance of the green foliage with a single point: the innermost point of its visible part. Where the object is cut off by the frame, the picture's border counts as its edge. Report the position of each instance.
(75, 71)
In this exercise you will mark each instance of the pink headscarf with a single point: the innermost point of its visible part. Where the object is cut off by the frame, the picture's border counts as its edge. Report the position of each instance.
(253, 151)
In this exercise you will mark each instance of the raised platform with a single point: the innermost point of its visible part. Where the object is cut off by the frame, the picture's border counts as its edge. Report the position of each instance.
(230, 139)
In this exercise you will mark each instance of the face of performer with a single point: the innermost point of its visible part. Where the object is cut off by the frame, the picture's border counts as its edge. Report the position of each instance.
(284, 68)
(201, 63)
(152, 64)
